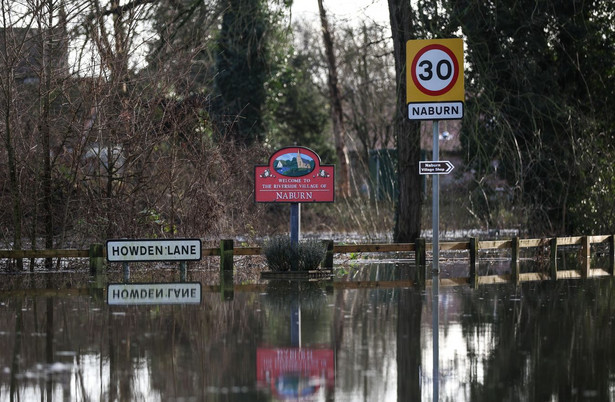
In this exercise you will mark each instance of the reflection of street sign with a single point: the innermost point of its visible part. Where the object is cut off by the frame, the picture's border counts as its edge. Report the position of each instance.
(434, 79)
(154, 293)
(435, 167)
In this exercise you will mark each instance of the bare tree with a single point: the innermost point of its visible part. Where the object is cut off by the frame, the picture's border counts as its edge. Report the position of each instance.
(10, 60)
(337, 112)
(408, 221)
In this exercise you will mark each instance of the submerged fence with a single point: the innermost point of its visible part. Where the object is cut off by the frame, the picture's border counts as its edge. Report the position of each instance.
(546, 248)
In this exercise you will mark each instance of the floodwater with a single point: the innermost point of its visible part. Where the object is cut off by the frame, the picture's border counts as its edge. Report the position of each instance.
(366, 336)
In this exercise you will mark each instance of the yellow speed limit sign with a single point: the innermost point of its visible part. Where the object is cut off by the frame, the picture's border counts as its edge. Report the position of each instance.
(434, 79)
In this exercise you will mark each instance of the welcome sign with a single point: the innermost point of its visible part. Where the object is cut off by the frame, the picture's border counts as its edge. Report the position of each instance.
(294, 174)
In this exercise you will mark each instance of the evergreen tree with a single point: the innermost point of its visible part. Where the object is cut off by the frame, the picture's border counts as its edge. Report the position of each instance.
(242, 69)
(538, 99)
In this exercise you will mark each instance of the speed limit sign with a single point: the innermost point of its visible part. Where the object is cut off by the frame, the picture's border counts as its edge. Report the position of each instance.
(434, 79)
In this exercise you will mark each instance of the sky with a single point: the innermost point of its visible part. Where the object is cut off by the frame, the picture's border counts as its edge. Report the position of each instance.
(343, 10)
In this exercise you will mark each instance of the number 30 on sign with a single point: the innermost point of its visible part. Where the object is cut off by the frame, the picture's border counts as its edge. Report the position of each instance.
(434, 79)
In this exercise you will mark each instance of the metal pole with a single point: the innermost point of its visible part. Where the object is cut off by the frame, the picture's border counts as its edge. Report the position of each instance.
(436, 268)
(435, 215)
(295, 228)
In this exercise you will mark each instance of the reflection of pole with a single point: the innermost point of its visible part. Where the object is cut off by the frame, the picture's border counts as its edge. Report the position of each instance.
(295, 325)
(17, 349)
(295, 317)
(410, 306)
(295, 229)
(49, 342)
(436, 258)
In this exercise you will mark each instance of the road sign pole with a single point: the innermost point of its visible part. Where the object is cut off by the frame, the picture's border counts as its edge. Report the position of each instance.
(436, 257)
(435, 216)
(295, 229)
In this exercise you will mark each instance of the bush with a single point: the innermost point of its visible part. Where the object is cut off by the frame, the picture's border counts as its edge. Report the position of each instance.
(280, 255)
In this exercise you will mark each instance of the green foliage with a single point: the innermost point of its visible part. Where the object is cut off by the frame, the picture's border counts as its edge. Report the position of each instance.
(242, 69)
(297, 113)
(593, 210)
(536, 82)
(281, 255)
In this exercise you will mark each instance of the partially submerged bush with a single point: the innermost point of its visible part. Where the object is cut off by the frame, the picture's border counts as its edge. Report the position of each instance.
(311, 254)
(280, 254)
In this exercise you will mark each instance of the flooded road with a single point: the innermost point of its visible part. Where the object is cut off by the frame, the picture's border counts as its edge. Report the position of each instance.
(336, 341)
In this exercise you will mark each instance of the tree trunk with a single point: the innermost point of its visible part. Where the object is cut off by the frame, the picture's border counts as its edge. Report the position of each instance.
(8, 102)
(407, 132)
(44, 129)
(337, 115)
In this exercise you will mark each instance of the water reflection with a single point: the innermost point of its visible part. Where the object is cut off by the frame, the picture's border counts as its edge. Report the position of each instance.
(314, 341)
(298, 365)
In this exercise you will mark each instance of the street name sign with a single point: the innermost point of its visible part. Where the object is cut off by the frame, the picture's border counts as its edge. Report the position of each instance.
(123, 294)
(144, 250)
(435, 167)
(434, 79)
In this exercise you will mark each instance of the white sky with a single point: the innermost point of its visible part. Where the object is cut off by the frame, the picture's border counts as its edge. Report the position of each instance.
(343, 10)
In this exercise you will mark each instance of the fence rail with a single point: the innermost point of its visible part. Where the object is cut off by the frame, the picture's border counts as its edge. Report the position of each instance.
(547, 246)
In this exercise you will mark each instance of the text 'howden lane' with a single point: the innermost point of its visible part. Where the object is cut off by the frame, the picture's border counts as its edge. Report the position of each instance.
(152, 251)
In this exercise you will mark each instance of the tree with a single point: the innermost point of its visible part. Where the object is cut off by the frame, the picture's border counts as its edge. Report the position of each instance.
(10, 60)
(368, 80)
(538, 102)
(407, 133)
(242, 68)
(34, 56)
(296, 109)
(335, 99)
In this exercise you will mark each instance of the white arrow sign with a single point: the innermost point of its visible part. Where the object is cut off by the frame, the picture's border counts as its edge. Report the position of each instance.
(435, 167)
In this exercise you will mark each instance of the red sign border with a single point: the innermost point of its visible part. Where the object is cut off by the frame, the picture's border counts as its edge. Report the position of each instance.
(418, 55)
(318, 165)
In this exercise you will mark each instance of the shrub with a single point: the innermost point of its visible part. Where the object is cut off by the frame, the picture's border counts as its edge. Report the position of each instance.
(280, 255)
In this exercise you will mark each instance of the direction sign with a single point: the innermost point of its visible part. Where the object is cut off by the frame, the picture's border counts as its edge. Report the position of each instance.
(434, 79)
(435, 167)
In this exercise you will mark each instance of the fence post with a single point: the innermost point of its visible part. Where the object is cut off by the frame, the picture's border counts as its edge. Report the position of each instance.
(182, 271)
(226, 255)
(473, 262)
(553, 263)
(611, 254)
(97, 259)
(420, 258)
(328, 261)
(126, 270)
(585, 257)
(226, 269)
(515, 267)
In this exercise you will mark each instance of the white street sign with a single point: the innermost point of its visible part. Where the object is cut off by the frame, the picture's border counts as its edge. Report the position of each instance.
(138, 250)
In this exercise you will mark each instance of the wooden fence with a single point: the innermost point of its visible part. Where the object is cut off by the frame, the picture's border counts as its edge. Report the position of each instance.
(544, 247)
